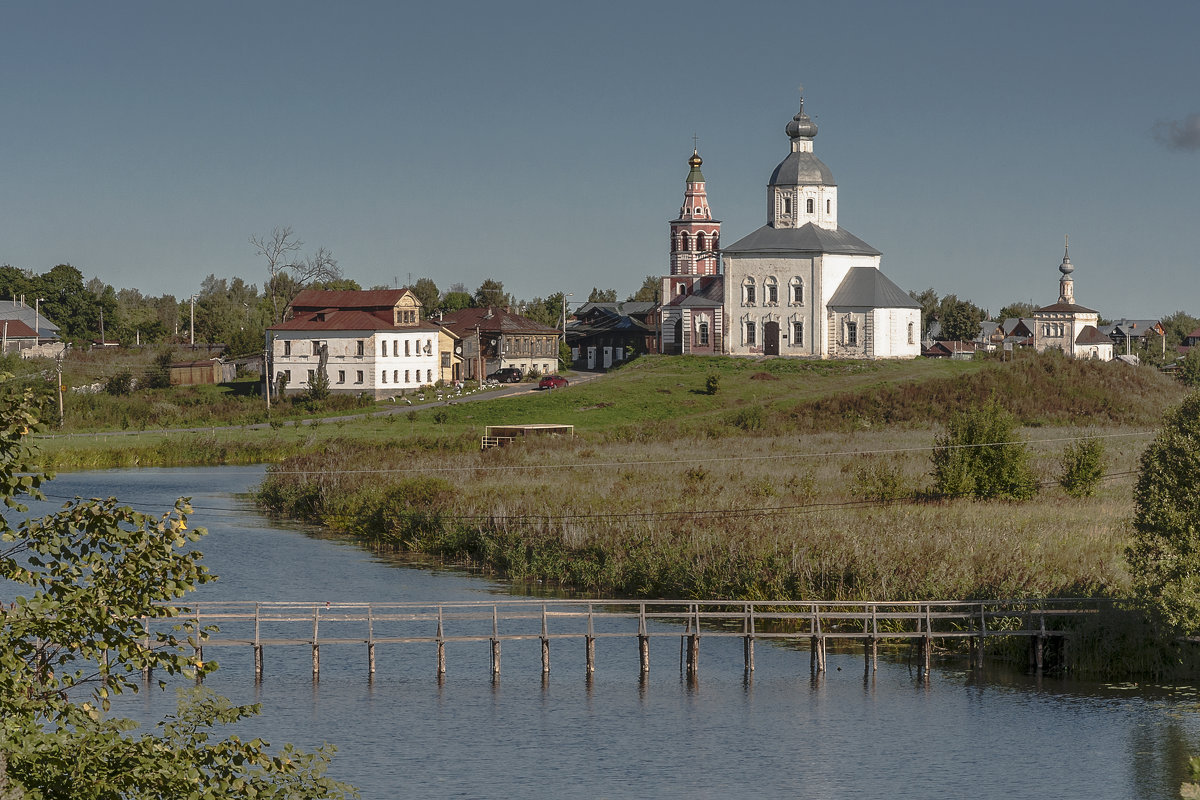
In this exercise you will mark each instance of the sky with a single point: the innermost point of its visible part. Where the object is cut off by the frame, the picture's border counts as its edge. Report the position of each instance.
(545, 144)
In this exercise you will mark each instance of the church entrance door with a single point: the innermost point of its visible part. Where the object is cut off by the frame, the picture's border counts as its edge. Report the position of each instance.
(679, 335)
(771, 339)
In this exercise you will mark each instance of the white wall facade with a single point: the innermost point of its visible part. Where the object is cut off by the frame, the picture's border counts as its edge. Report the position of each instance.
(378, 363)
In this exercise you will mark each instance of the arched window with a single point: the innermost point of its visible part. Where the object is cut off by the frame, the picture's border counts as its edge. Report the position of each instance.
(748, 292)
(828, 206)
(703, 334)
(683, 242)
(700, 242)
(674, 244)
(797, 291)
(911, 334)
(810, 205)
(772, 288)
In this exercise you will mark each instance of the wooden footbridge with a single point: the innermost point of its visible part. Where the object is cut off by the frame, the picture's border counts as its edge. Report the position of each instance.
(262, 625)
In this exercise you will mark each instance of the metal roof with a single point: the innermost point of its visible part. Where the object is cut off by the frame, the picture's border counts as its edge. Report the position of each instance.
(316, 299)
(1071, 308)
(867, 287)
(1089, 335)
(464, 321)
(801, 169)
(806, 239)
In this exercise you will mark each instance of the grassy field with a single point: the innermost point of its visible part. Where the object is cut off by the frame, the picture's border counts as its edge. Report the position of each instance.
(795, 479)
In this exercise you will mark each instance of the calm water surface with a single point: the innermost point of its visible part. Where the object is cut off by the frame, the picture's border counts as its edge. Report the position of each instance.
(781, 734)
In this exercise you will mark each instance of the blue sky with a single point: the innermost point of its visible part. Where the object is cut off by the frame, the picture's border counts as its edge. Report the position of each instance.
(544, 144)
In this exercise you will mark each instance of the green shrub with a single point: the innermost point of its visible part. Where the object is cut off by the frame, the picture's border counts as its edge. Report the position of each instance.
(712, 384)
(120, 384)
(1082, 465)
(980, 456)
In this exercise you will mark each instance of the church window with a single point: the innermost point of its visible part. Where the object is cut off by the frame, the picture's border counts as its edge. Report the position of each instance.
(748, 292)
(683, 242)
(698, 209)
(798, 333)
(810, 205)
(681, 289)
(750, 334)
(700, 242)
(851, 334)
(911, 334)
(797, 292)
(704, 334)
(674, 244)
(828, 206)
(772, 292)
(787, 205)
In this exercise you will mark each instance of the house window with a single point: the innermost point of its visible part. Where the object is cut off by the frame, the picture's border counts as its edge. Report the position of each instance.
(360, 348)
(748, 292)
(407, 379)
(797, 333)
(316, 345)
(341, 376)
(383, 376)
(810, 205)
(311, 376)
(287, 376)
(407, 347)
(383, 346)
(750, 334)
(797, 292)
(852, 334)
(429, 347)
(358, 376)
(445, 360)
(704, 334)
(429, 376)
(287, 348)
(395, 376)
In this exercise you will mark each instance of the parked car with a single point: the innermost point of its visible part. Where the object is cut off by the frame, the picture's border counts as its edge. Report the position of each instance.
(506, 375)
(553, 382)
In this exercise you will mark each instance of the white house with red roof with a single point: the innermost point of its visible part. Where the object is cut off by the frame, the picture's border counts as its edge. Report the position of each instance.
(367, 342)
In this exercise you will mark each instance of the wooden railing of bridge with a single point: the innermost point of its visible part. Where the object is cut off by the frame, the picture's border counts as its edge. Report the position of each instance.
(259, 625)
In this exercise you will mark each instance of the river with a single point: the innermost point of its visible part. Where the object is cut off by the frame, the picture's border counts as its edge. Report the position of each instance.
(780, 734)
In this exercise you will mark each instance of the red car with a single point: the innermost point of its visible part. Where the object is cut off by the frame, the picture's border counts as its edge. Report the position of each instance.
(553, 382)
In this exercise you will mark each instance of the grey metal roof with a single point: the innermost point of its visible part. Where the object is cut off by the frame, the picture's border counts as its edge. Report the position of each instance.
(867, 287)
(806, 239)
(801, 169)
(1089, 335)
(1073, 308)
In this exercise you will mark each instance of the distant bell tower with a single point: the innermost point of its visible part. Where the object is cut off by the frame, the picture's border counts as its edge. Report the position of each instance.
(695, 235)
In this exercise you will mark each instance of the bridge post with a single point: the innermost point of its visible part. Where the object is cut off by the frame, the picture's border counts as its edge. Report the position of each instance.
(748, 640)
(643, 640)
(316, 647)
(147, 669)
(979, 651)
(591, 644)
(258, 648)
(495, 645)
(441, 647)
(545, 644)
(199, 665)
(693, 645)
(370, 642)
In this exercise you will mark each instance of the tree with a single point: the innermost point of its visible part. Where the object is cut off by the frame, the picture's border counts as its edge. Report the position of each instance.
(456, 298)
(427, 292)
(1164, 554)
(960, 319)
(278, 249)
(546, 310)
(1082, 467)
(491, 294)
(1177, 326)
(649, 291)
(602, 295)
(1189, 368)
(1018, 310)
(91, 572)
(929, 306)
(980, 456)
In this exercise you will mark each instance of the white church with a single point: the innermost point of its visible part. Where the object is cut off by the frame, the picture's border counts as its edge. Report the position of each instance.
(801, 285)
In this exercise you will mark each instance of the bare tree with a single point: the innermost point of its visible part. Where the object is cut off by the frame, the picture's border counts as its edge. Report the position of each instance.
(277, 249)
(320, 267)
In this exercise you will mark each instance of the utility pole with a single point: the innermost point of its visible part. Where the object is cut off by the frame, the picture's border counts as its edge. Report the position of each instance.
(192, 336)
(58, 364)
(267, 368)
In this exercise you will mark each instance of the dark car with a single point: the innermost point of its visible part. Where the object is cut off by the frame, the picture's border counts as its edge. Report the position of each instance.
(553, 382)
(506, 375)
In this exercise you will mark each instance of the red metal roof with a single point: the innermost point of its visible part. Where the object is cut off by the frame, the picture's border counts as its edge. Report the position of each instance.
(463, 322)
(317, 299)
(17, 330)
(347, 320)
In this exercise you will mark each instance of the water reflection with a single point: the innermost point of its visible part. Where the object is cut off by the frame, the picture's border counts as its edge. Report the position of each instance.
(776, 731)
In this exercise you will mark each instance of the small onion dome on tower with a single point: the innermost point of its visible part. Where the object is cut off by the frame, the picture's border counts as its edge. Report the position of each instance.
(695, 176)
(1066, 267)
(801, 167)
(801, 125)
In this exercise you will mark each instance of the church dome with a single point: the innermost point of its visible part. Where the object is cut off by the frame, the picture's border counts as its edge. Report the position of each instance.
(801, 125)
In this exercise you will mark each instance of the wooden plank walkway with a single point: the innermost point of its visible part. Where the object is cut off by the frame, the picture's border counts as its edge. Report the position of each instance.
(260, 625)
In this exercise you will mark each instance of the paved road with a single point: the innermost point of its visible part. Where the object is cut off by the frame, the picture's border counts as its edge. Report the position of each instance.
(504, 390)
